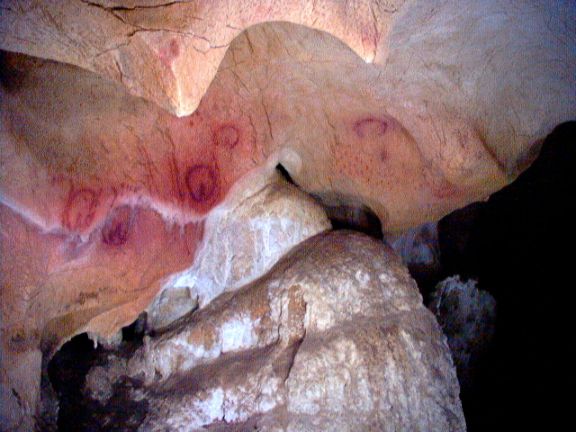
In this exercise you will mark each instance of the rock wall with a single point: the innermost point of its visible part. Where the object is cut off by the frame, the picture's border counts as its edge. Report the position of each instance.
(334, 337)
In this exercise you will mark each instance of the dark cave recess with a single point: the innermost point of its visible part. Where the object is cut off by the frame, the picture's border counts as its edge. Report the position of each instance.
(519, 245)
(345, 216)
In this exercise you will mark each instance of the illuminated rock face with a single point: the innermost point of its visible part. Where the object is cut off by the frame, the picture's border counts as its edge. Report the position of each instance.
(335, 337)
(410, 108)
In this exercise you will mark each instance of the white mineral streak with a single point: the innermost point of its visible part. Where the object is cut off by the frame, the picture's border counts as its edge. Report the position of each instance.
(243, 239)
(202, 410)
(468, 317)
(239, 333)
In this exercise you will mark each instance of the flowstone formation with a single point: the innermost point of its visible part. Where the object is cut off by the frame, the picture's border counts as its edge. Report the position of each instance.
(242, 241)
(334, 337)
(129, 128)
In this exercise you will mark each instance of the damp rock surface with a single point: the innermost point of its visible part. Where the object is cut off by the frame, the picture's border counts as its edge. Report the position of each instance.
(334, 337)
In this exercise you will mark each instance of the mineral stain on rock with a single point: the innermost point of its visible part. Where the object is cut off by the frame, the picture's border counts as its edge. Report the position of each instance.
(202, 183)
(80, 209)
(169, 52)
(226, 136)
(370, 126)
(117, 228)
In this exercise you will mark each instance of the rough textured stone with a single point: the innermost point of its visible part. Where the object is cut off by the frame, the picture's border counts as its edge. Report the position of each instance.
(467, 316)
(169, 305)
(101, 379)
(334, 337)
(243, 239)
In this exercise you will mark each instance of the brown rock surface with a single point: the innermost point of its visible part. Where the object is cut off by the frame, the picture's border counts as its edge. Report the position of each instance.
(335, 337)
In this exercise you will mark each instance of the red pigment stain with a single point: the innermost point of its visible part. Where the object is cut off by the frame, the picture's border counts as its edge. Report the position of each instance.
(370, 37)
(226, 136)
(202, 183)
(116, 230)
(80, 209)
(370, 127)
(169, 52)
(383, 155)
(442, 188)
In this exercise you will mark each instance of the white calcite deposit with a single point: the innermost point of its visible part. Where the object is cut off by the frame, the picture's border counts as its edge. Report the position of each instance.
(243, 240)
(333, 337)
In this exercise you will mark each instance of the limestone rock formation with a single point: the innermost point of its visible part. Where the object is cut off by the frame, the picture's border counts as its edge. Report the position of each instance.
(334, 337)
(243, 239)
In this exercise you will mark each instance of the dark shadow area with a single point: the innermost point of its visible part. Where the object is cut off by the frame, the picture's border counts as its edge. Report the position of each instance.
(519, 245)
(67, 372)
(345, 216)
(355, 218)
(134, 333)
(285, 174)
